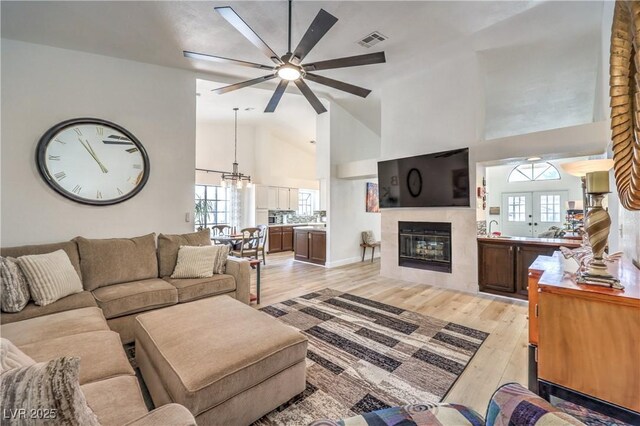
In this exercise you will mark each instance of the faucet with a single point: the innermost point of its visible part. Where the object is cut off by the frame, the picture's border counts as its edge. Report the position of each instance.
(491, 223)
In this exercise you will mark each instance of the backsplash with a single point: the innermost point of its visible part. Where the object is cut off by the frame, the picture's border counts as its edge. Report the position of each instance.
(482, 227)
(285, 216)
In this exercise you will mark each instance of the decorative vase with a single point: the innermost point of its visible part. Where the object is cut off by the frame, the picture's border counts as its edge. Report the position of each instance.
(597, 225)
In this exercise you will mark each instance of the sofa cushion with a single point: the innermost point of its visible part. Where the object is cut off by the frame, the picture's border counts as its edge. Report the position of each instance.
(215, 349)
(115, 401)
(50, 276)
(70, 247)
(136, 296)
(168, 246)
(117, 260)
(100, 352)
(197, 288)
(51, 385)
(55, 325)
(83, 299)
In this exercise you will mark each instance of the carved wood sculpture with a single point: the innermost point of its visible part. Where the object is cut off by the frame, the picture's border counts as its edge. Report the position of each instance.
(624, 83)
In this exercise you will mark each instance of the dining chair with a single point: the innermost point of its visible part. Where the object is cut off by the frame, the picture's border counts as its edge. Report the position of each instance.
(264, 229)
(220, 230)
(250, 243)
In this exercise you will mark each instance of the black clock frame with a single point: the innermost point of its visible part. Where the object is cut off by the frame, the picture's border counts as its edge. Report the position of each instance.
(414, 195)
(48, 137)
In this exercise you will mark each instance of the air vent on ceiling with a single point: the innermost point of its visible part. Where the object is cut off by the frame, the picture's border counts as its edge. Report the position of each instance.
(372, 39)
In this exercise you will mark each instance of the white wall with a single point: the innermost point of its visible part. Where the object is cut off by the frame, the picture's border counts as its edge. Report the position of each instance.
(42, 86)
(497, 184)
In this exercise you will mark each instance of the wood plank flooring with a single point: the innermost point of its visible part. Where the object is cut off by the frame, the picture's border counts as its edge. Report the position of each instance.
(502, 357)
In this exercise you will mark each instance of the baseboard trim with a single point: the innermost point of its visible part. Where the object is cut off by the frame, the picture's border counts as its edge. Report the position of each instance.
(348, 261)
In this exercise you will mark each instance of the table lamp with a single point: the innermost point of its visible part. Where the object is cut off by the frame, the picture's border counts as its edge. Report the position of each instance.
(598, 225)
(581, 168)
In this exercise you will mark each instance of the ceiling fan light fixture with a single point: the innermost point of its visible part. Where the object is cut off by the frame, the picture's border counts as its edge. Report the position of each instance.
(289, 72)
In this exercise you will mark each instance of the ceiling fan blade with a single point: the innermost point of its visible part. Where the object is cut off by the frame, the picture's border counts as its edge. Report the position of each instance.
(277, 95)
(242, 84)
(350, 61)
(311, 97)
(234, 19)
(222, 60)
(318, 28)
(340, 85)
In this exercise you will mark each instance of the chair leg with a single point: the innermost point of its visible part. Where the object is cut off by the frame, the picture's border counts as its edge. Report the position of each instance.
(364, 250)
(264, 259)
(373, 251)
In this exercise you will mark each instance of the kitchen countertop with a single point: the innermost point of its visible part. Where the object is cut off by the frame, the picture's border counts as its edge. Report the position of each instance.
(297, 224)
(310, 228)
(553, 242)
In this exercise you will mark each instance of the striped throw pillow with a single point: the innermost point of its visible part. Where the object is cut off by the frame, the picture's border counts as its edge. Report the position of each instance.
(15, 291)
(50, 276)
(200, 262)
(51, 390)
(12, 357)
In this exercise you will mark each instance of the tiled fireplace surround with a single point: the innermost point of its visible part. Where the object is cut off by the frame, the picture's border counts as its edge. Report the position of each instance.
(464, 273)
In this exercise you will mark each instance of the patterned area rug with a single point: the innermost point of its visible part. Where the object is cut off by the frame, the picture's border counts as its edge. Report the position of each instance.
(365, 355)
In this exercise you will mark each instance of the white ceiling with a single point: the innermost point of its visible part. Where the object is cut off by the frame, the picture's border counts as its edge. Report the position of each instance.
(419, 33)
(293, 121)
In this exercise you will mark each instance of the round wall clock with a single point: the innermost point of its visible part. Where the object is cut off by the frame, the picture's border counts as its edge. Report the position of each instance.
(414, 182)
(92, 161)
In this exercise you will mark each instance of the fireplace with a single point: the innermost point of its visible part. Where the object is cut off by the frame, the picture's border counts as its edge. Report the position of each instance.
(425, 245)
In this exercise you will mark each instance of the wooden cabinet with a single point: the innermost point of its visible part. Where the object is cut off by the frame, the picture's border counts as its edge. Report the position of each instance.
(275, 239)
(287, 238)
(293, 199)
(587, 337)
(272, 198)
(262, 197)
(503, 264)
(496, 267)
(311, 245)
(280, 238)
(283, 198)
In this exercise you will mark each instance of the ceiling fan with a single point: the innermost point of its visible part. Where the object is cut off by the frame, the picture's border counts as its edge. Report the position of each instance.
(289, 67)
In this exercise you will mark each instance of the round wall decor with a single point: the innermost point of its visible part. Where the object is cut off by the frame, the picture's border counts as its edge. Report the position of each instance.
(92, 161)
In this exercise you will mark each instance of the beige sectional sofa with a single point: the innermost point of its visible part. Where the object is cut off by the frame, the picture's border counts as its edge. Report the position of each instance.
(126, 276)
(121, 278)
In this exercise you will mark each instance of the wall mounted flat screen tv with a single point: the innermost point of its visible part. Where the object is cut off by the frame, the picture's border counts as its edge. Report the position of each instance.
(440, 179)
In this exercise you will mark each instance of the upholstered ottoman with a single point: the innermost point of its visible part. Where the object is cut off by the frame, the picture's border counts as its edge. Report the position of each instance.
(228, 363)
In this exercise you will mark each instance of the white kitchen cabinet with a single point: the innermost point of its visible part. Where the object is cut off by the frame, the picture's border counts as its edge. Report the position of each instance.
(272, 198)
(262, 217)
(283, 198)
(262, 197)
(293, 199)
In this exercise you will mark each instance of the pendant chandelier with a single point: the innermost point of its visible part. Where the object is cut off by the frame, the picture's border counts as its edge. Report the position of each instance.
(235, 178)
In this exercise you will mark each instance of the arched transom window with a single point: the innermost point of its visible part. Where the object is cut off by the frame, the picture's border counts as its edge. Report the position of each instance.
(533, 171)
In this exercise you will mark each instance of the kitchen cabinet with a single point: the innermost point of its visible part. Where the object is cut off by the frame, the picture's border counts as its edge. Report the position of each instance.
(496, 267)
(293, 199)
(310, 245)
(283, 198)
(503, 263)
(272, 198)
(262, 197)
(280, 238)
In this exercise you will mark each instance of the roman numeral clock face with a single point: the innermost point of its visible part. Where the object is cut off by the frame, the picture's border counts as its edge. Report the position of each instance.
(93, 161)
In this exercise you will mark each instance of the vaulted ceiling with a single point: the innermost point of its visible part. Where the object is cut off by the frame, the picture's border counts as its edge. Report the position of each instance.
(522, 46)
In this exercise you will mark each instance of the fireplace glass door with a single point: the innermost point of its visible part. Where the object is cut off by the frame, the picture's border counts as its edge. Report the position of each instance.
(425, 245)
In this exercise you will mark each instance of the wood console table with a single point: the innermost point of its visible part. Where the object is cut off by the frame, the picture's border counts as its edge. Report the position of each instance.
(585, 340)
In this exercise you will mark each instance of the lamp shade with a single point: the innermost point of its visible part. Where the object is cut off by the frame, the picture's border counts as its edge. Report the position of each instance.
(581, 168)
(597, 182)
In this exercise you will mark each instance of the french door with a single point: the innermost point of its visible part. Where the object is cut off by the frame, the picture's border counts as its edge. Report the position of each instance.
(527, 214)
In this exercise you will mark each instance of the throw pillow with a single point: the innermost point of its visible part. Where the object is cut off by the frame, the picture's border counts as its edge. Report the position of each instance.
(196, 262)
(13, 284)
(48, 393)
(220, 264)
(368, 238)
(12, 357)
(50, 276)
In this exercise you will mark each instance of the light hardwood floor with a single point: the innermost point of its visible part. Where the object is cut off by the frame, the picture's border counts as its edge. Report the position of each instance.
(502, 358)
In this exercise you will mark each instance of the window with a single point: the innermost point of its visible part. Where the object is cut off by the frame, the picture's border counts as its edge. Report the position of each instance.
(213, 206)
(516, 206)
(550, 208)
(533, 172)
(305, 203)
